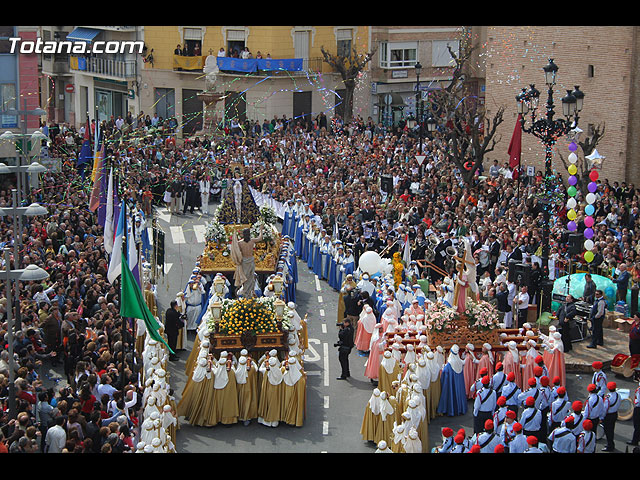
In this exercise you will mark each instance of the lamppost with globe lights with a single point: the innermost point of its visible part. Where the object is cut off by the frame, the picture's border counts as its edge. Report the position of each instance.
(548, 130)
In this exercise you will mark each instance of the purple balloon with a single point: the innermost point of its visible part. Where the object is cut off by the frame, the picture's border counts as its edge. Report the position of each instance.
(588, 233)
(572, 180)
(573, 147)
(593, 187)
(572, 226)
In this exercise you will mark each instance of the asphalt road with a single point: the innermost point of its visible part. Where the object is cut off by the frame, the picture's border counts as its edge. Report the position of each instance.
(334, 408)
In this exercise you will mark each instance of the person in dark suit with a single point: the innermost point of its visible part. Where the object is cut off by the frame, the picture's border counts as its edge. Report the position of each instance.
(172, 325)
(502, 299)
(345, 344)
(494, 254)
(589, 292)
(622, 282)
(566, 314)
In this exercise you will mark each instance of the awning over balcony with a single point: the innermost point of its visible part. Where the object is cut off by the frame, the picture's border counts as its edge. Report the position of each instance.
(83, 34)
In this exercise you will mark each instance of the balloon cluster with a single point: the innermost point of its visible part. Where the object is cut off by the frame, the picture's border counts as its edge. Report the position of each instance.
(589, 210)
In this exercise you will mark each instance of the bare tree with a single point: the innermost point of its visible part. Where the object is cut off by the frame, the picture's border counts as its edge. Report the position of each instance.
(349, 67)
(462, 119)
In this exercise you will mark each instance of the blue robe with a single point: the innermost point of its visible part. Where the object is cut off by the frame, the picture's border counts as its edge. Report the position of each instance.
(317, 261)
(286, 220)
(305, 244)
(339, 273)
(325, 262)
(331, 277)
(312, 251)
(297, 239)
(453, 395)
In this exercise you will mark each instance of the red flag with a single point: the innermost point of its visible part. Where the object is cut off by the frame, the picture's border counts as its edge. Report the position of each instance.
(515, 146)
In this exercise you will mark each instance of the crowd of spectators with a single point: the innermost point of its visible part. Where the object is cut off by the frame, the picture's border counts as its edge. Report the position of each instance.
(71, 320)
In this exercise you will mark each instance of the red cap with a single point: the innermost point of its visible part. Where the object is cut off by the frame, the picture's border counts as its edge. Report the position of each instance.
(501, 400)
(485, 380)
(459, 439)
(488, 425)
(475, 449)
(587, 424)
(510, 414)
(483, 371)
(447, 432)
(530, 401)
(511, 376)
(461, 431)
(537, 370)
(576, 406)
(561, 390)
(517, 427)
(499, 366)
(591, 387)
(532, 382)
(556, 380)
(532, 440)
(597, 365)
(569, 420)
(499, 448)
(539, 359)
(544, 381)
(611, 386)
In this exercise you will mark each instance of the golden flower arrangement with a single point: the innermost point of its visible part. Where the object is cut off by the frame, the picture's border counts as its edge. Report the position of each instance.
(250, 315)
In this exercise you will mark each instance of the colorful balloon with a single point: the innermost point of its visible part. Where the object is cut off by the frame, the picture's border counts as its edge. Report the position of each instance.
(571, 215)
(571, 203)
(573, 147)
(593, 187)
(588, 244)
(591, 198)
(588, 233)
(593, 175)
(589, 210)
(588, 257)
(588, 221)
(573, 158)
(571, 191)
(571, 226)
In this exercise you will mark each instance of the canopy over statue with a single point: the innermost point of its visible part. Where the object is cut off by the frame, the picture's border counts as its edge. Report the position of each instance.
(238, 205)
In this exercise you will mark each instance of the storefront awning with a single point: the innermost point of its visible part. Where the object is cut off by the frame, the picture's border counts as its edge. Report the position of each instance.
(83, 34)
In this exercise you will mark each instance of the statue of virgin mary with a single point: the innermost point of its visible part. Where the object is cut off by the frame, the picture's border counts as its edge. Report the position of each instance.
(238, 205)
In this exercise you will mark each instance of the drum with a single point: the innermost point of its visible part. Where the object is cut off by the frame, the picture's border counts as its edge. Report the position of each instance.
(625, 411)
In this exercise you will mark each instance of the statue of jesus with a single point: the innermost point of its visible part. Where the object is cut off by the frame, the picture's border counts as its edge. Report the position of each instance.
(246, 246)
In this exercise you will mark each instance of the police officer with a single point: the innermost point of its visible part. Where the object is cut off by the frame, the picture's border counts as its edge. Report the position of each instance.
(511, 393)
(610, 415)
(345, 344)
(488, 439)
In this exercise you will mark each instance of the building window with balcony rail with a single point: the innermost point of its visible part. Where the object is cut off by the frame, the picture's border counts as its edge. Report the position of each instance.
(398, 55)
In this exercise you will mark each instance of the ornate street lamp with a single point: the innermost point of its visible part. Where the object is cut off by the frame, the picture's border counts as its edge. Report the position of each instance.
(548, 130)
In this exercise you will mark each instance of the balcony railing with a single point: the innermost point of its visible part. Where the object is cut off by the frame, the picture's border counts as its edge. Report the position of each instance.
(238, 66)
(104, 66)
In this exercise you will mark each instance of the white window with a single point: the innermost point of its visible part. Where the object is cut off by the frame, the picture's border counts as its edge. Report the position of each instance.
(344, 38)
(440, 56)
(398, 55)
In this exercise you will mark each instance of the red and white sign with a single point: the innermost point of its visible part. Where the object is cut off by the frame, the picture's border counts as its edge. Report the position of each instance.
(69, 88)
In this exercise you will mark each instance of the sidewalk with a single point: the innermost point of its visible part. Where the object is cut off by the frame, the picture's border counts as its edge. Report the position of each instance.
(580, 358)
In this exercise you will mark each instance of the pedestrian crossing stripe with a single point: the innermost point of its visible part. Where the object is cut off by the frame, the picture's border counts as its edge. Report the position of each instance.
(199, 230)
(177, 234)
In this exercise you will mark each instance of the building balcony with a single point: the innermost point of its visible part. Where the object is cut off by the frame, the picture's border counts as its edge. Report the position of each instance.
(103, 67)
(252, 66)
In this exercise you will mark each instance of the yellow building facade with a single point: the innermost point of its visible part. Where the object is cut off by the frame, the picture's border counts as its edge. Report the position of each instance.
(170, 83)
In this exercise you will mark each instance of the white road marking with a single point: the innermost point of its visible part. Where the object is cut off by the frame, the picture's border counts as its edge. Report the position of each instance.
(324, 328)
(317, 283)
(325, 428)
(322, 312)
(177, 234)
(326, 401)
(164, 215)
(167, 267)
(199, 230)
(326, 363)
(319, 298)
